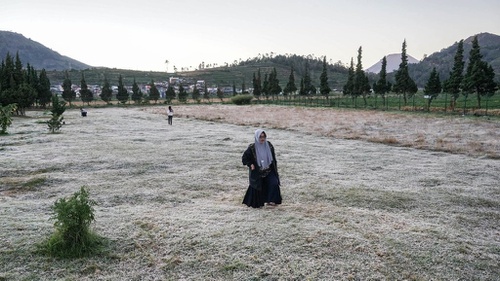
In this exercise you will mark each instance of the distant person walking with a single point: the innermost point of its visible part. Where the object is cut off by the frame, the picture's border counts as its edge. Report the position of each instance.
(264, 181)
(170, 114)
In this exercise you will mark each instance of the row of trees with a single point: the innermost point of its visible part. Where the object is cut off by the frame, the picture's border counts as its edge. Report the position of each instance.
(478, 78)
(270, 86)
(23, 86)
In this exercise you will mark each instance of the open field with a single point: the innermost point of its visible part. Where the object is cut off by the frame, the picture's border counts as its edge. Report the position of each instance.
(360, 202)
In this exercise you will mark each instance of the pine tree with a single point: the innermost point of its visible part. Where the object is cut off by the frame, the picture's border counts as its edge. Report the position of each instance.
(479, 76)
(44, 93)
(170, 94)
(206, 94)
(154, 94)
(382, 86)
(453, 84)
(433, 87)
(7, 82)
(220, 94)
(136, 93)
(56, 121)
(182, 94)
(85, 94)
(106, 92)
(348, 89)
(290, 86)
(243, 88)
(257, 85)
(323, 81)
(196, 94)
(309, 88)
(302, 90)
(404, 84)
(18, 71)
(122, 95)
(68, 94)
(265, 87)
(26, 96)
(274, 83)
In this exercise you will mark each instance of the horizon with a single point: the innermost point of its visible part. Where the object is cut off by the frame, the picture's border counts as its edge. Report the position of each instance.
(191, 32)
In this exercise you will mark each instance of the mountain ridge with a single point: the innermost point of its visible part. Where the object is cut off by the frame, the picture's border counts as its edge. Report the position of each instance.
(36, 54)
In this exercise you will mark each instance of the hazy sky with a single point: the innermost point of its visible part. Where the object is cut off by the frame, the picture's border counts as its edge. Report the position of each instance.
(141, 35)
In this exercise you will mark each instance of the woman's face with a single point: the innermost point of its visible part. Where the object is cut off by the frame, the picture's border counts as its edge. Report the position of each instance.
(262, 138)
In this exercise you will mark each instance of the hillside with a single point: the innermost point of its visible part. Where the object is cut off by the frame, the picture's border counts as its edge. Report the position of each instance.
(218, 76)
(35, 53)
(443, 60)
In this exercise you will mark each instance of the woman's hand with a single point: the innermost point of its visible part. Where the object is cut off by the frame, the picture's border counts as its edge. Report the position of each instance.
(252, 167)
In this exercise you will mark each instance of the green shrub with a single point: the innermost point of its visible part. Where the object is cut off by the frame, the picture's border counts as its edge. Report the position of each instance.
(73, 237)
(242, 99)
(56, 121)
(6, 117)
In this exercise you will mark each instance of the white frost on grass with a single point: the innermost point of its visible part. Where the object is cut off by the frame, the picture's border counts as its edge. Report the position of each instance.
(169, 200)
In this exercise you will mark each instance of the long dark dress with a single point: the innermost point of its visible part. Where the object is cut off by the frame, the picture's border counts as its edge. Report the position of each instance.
(261, 190)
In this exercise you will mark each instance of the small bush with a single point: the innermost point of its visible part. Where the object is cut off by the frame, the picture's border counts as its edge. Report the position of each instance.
(6, 117)
(73, 237)
(242, 99)
(57, 120)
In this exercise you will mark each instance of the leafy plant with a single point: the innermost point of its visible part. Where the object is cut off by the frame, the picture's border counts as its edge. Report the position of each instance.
(57, 120)
(6, 116)
(73, 237)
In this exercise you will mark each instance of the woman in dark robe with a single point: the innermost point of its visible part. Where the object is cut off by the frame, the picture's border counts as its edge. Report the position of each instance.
(264, 179)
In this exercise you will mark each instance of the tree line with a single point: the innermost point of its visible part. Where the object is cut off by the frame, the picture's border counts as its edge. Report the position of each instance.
(24, 87)
(477, 78)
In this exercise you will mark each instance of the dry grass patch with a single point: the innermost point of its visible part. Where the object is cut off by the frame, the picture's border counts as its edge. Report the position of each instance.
(409, 129)
(169, 197)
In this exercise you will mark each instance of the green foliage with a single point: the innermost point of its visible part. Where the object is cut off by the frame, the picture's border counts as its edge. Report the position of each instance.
(68, 94)
(57, 120)
(324, 89)
(290, 86)
(220, 94)
(154, 94)
(169, 94)
(6, 116)
(136, 93)
(479, 77)
(122, 95)
(73, 237)
(382, 86)
(85, 94)
(106, 92)
(242, 99)
(183, 95)
(404, 84)
(348, 89)
(433, 87)
(44, 93)
(58, 107)
(257, 84)
(196, 94)
(55, 123)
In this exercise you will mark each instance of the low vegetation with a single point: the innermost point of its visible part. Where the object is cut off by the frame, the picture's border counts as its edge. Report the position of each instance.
(73, 237)
(242, 99)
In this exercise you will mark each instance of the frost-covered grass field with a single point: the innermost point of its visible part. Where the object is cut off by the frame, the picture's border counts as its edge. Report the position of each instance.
(169, 197)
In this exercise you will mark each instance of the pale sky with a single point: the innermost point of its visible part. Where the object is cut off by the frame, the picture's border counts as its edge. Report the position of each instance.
(141, 35)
